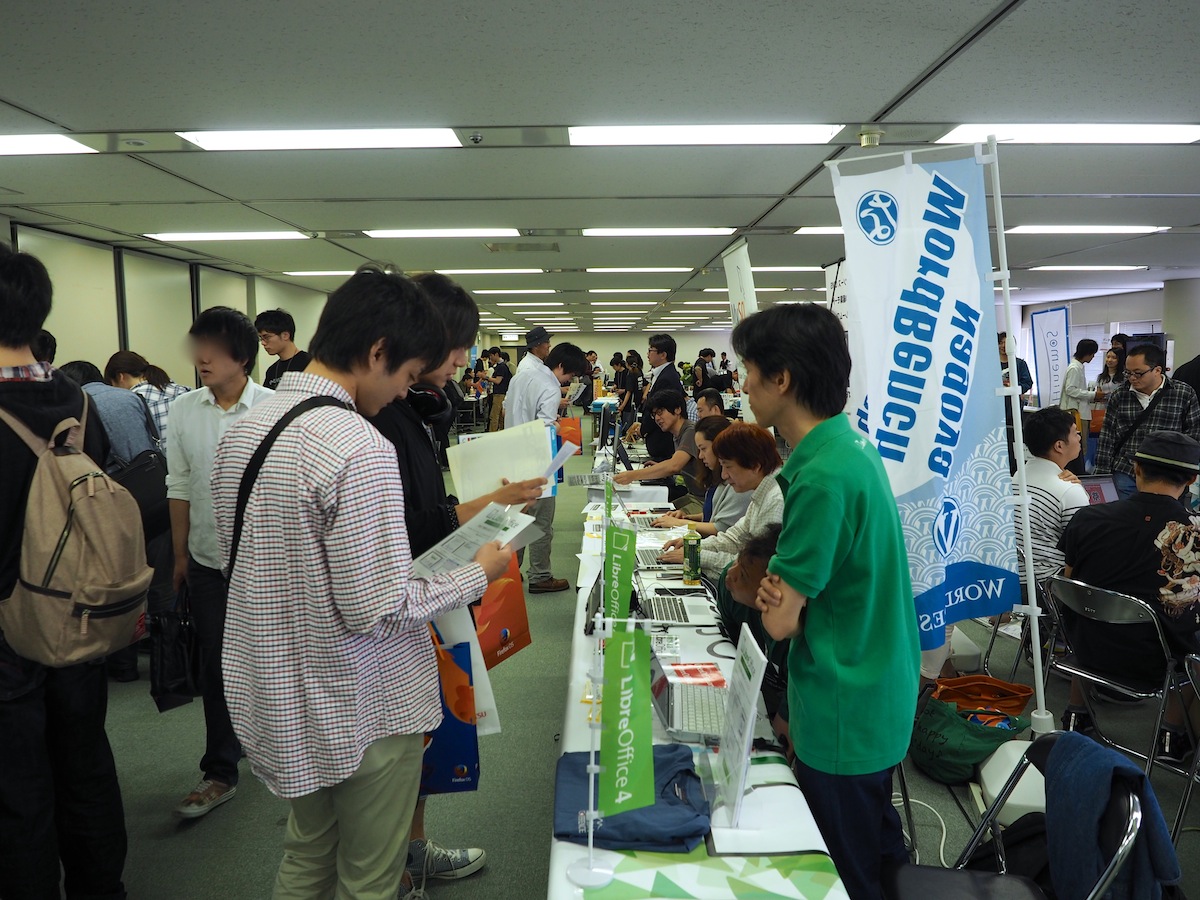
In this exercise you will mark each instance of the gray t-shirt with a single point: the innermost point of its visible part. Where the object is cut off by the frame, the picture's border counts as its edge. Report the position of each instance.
(686, 441)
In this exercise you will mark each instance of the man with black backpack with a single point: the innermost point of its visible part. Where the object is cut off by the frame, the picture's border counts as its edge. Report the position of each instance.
(60, 803)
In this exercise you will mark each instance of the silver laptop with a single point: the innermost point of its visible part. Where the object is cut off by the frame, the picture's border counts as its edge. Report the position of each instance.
(647, 558)
(694, 713)
(670, 609)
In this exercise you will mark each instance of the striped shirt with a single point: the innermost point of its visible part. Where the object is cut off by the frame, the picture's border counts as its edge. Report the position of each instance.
(1052, 503)
(766, 508)
(326, 646)
(159, 401)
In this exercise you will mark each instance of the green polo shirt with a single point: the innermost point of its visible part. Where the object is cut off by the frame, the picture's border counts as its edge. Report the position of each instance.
(853, 669)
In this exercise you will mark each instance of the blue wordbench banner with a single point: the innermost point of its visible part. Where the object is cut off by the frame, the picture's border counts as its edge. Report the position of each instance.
(921, 321)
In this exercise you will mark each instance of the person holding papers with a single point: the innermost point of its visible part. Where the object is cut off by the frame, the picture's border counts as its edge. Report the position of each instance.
(535, 394)
(330, 673)
(839, 588)
(430, 514)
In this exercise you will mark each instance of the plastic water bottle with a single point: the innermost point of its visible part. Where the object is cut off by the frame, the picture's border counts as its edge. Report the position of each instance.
(691, 556)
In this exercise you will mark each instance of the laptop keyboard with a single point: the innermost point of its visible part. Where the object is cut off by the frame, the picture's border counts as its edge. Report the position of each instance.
(701, 708)
(588, 479)
(667, 609)
(647, 558)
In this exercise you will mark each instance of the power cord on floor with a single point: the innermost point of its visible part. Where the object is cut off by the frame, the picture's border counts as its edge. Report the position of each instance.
(898, 802)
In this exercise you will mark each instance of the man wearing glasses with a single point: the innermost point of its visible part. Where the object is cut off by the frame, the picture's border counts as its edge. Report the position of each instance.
(1147, 402)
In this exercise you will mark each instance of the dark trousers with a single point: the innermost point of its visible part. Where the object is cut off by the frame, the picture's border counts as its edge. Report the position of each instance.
(59, 797)
(222, 751)
(859, 824)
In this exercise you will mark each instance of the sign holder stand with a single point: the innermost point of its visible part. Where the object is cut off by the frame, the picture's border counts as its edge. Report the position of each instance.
(1041, 719)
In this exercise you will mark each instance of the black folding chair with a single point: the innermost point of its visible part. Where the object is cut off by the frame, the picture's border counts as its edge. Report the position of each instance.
(1117, 610)
(1118, 831)
(1191, 665)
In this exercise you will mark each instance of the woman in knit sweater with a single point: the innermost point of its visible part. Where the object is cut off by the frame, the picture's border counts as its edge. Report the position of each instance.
(749, 463)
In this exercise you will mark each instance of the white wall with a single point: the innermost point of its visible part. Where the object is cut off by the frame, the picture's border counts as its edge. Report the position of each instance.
(158, 309)
(304, 304)
(84, 317)
(606, 343)
(220, 288)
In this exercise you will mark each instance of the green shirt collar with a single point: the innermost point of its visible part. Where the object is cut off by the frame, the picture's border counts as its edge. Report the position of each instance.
(812, 444)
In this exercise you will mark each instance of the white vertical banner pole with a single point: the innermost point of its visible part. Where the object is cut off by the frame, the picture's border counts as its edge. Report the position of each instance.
(743, 301)
(1041, 720)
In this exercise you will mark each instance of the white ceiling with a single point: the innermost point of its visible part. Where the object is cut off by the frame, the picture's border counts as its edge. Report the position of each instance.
(530, 68)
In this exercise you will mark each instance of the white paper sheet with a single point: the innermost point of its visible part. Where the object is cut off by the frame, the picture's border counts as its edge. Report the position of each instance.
(458, 549)
(479, 466)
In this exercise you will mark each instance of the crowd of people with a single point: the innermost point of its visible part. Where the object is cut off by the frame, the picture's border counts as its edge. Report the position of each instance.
(297, 507)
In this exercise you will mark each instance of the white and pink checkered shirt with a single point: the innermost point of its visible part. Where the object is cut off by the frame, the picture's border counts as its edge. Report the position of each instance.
(326, 648)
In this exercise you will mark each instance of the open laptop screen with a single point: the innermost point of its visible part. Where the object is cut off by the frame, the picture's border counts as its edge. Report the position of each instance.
(1100, 489)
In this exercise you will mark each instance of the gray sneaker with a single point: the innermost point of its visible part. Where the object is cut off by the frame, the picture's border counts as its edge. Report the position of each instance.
(429, 860)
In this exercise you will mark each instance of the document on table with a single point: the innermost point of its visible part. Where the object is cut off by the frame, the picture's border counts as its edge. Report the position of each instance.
(458, 549)
(479, 466)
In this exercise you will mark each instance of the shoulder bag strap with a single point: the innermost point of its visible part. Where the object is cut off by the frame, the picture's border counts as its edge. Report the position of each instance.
(1142, 416)
(256, 462)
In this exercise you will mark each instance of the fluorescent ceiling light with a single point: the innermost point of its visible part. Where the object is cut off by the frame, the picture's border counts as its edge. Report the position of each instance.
(40, 145)
(786, 269)
(489, 272)
(639, 271)
(321, 274)
(819, 229)
(682, 135)
(1087, 268)
(656, 232)
(324, 139)
(629, 290)
(623, 303)
(521, 291)
(527, 303)
(1010, 288)
(1086, 229)
(706, 302)
(442, 233)
(1065, 133)
(192, 237)
(757, 290)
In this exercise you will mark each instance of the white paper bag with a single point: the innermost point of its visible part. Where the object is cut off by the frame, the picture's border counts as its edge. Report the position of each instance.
(457, 626)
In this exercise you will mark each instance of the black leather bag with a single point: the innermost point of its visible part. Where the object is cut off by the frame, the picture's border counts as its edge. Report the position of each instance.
(145, 476)
(175, 655)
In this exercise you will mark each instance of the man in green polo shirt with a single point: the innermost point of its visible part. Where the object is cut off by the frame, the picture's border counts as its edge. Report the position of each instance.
(839, 588)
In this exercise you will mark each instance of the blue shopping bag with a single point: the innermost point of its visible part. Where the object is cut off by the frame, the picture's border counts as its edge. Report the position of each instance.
(451, 763)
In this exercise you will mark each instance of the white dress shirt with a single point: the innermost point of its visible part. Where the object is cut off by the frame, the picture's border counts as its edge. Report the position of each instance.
(1075, 392)
(533, 393)
(197, 426)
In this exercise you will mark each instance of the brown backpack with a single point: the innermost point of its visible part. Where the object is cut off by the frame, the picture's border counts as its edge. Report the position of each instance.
(83, 579)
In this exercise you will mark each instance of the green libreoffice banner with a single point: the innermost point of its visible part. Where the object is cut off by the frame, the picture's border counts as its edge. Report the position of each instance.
(619, 544)
(626, 751)
(608, 500)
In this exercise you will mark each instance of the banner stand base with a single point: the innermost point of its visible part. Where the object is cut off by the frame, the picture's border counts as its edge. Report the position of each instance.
(585, 874)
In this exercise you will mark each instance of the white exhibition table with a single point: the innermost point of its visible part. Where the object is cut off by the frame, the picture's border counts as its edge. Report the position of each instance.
(773, 813)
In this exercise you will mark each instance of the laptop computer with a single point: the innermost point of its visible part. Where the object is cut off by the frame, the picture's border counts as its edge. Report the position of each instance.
(1100, 489)
(668, 606)
(694, 713)
(647, 558)
(593, 607)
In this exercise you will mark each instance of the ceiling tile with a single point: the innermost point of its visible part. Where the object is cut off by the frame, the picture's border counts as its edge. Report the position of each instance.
(91, 178)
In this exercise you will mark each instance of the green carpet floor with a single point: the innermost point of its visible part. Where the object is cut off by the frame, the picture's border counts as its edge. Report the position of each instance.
(233, 852)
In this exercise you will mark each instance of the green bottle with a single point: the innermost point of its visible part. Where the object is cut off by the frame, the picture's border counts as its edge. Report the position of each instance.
(691, 556)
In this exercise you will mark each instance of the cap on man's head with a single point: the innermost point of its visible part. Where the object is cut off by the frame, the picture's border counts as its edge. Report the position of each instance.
(1170, 448)
(538, 336)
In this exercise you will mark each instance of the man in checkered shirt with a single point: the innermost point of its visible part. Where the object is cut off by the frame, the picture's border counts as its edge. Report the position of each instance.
(1149, 401)
(330, 672)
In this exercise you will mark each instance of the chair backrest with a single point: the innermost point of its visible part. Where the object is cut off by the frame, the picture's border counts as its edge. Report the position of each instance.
(1191, 665)
(1119, 824)
(1109, 607)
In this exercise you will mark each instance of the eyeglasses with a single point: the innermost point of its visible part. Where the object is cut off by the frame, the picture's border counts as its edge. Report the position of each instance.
(1131, 374)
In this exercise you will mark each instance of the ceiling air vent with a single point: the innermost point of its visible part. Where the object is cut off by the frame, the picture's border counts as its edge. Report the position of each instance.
(521, 247)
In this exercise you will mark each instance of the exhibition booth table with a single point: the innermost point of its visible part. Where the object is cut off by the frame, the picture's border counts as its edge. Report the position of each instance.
(773, 850)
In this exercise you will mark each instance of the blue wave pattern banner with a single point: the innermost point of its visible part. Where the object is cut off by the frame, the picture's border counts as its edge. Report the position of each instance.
(920, 318)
